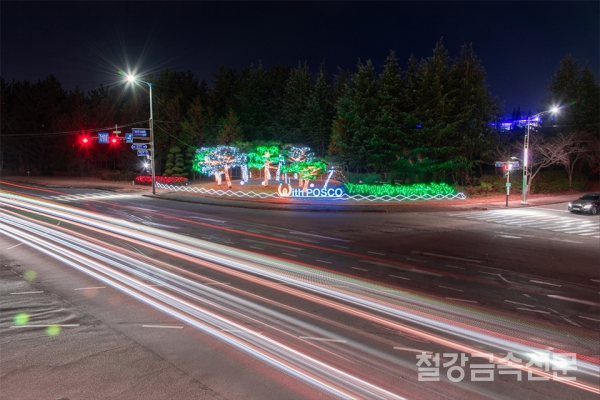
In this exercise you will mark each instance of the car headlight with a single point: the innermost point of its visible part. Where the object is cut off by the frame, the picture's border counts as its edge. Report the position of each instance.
(570, 205)
(587, 206)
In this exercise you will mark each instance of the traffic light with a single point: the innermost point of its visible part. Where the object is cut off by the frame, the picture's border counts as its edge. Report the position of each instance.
(85, 140)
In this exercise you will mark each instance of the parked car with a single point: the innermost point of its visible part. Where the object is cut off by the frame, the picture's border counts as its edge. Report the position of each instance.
(588, 204)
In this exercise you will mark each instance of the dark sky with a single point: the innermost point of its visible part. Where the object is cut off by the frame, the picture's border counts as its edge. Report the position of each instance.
(85, 43)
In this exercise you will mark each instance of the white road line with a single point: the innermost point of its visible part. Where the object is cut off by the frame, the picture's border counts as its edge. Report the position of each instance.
(589, 303)
(309, 241)
(591, 319)
(360, 269)
(45, 326)
(85, 288)
(319, 236)
(58, 223)
(341, 247)
(322, 339)
(413, 350)
(290, 254)
(28, 292)
(413, 259)
(217, 283)
(162, 326)
(545, 283)
(446, 287)
(587, 234)
(595, 280)
(399, 277)
(489, 273)
(12, 247)
(564, 240)
(516, 302)
(452, 266)
(374, 252)
(538, 311)
(258, 248)
(323, 261)
(467, 301)
(446, 257)
(526, 295)
(510, 237)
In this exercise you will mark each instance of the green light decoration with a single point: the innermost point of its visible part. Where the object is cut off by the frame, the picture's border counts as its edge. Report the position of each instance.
(306, 170)
(262, 157)
(420, 190)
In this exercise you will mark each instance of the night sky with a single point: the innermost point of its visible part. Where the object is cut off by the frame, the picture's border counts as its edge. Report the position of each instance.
(84, 44)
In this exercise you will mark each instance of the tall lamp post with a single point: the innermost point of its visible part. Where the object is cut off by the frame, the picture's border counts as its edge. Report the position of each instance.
(132, 78)
(526, 168)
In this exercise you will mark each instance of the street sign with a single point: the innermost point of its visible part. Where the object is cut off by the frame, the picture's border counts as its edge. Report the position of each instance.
(514, 164)
(142, 153)
(116, 132)
(102, 137)
(138, 132)
(507, 184)
(500, 164)
(139, 146)
(129, 138)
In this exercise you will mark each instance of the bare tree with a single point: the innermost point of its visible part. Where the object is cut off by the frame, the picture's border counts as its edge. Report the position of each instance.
(575, 146)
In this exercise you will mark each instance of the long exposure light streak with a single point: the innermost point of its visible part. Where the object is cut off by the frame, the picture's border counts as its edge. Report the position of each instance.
(370, 297)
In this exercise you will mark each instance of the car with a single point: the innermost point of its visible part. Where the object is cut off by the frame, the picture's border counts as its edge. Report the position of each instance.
(588, 203)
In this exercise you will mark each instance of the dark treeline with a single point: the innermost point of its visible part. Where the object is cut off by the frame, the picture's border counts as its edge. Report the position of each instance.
(432, 120)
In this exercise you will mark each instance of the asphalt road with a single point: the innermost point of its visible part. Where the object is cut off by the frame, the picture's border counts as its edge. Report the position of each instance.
(529, 274)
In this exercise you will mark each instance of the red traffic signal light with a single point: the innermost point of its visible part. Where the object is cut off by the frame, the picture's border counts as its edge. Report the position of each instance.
(85, 140)
(114, 140)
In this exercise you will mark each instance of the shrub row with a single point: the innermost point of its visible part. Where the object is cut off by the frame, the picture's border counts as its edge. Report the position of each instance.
(167, 180)
(418, 189)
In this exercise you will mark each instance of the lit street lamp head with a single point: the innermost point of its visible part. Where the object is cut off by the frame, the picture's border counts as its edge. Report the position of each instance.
(130, 78)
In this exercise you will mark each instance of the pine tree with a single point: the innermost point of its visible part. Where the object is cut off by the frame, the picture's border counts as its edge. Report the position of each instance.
(230, 130)
(295, 102)
(317, 118)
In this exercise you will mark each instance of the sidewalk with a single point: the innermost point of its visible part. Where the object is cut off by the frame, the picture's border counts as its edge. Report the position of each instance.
(289, 204)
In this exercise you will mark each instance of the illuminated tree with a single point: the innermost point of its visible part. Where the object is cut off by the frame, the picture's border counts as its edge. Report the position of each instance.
(263, 157)
(219, 160)
(298, 155)
(306, 170)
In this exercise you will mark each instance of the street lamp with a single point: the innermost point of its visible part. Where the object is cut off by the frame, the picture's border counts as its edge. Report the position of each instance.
(132, 78)
(526, 150)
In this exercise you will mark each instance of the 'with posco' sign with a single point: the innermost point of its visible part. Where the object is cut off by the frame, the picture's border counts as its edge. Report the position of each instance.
(284, 191)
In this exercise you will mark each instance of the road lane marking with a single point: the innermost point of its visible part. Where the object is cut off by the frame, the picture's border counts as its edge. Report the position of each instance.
(162, 326)
(374, 252)
(591, 319)
(258, 248)
(564, 240)
(322, 339)
(510, 237)
(589, 303)
(341, 247)
(400, 268)
(516, 302)
(413, 259)
(468, 301)
(413, 350)
(319, 236)
(545, 283)
(12, 247)
(28, 292)
(489, 273)
(290, 254)
(86, 288)
(538, 311)
(360, 269)
(452, 266)
(323, 261)
(446, 257)
(217, 283)
(45, 326)
(400, 277)
(446, 287)
(595, 280)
